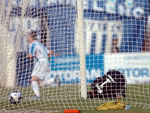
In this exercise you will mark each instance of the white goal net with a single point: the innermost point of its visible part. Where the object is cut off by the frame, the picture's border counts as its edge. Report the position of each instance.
(88, 39)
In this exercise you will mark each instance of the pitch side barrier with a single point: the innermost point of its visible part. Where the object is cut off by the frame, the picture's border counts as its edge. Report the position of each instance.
(135, 69)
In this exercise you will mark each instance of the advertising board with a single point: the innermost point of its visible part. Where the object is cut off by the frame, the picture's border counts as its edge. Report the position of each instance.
(134, 66)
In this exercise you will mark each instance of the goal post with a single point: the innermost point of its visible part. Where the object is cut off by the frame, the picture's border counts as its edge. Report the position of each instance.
(8, 63)
(80, 23)
(8, 48)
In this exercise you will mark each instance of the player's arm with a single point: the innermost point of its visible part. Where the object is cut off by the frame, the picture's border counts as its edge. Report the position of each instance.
(31, 51)
(30, 56)
(50, 53)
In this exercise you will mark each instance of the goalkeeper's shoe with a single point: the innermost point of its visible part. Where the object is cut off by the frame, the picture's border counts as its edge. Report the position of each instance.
(36, 98)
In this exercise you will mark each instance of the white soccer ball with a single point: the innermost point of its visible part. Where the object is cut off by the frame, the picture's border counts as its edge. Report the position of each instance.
(15, 97)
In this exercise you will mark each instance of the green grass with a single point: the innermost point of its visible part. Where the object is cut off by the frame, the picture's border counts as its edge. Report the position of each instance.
(68, 97)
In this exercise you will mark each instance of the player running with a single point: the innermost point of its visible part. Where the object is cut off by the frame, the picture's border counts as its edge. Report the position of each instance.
(40, 70)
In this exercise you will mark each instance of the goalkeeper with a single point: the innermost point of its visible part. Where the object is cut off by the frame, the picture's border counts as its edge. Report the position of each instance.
(111, 85)
(40, 70)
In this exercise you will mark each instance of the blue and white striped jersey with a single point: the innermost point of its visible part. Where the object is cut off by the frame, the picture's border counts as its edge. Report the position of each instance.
(38, 50)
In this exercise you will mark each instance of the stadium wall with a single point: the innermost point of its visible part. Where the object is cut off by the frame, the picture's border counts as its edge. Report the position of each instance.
(135, 67)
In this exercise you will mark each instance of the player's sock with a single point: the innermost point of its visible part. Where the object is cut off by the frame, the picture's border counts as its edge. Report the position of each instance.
(46, 82)
(35, 88)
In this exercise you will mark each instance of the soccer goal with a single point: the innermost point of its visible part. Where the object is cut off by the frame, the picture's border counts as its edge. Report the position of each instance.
(88, 39)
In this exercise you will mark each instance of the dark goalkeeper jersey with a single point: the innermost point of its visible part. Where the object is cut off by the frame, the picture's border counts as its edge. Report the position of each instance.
(108, 86)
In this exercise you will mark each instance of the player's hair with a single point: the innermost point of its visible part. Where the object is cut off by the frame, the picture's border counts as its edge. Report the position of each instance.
(33, 34)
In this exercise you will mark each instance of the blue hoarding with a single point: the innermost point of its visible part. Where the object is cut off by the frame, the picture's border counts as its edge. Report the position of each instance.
(66, 66)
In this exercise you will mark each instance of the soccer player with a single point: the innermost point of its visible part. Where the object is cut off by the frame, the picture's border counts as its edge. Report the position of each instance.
(111, 85)
(40, 70)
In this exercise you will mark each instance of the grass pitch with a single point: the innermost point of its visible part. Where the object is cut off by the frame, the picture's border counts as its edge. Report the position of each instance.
(56, 99)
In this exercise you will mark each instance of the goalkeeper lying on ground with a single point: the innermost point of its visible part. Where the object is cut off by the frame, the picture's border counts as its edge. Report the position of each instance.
(111, 85)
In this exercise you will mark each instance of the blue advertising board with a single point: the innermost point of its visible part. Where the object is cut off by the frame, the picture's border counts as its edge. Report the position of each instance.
(135, 67)
(67, 67)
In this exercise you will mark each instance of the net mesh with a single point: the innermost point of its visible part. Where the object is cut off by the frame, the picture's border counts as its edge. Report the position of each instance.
(116, 37)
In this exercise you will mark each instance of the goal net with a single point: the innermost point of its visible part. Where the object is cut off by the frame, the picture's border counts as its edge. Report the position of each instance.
(88, 38)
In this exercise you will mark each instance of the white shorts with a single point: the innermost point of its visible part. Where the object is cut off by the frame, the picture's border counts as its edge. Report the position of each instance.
(40, 69)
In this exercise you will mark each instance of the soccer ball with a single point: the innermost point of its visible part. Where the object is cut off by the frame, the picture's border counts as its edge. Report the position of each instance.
(15, 97)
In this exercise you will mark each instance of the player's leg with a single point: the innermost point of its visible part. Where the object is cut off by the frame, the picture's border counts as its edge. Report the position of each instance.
(35, 86)
(46, 81)
(49, 81)
(44, 74)
(34, 79)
